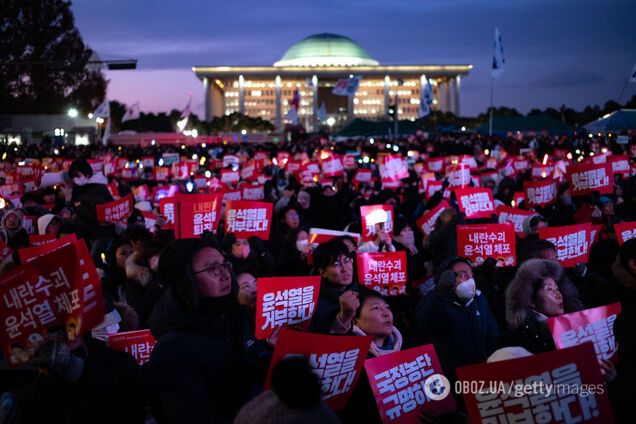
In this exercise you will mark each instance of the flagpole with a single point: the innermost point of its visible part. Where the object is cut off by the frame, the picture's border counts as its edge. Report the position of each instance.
(492, 96)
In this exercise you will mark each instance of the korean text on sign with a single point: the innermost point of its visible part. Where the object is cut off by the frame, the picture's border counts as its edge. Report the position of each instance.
(475, 202)
(247, 218)
(572, 242)
(138, 344)
(384, 272)
(483, 241)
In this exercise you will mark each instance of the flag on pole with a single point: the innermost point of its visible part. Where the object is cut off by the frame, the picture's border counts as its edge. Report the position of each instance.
(292, 116)
(322, 112)
(106, 135)
(132, 113)
(498, 61)
(426, 100)
(103, 110)
(346, 86)
(185, 114)
(632, 76)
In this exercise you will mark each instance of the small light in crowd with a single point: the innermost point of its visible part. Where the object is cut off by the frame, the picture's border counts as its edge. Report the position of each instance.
(160, 163)
(396, 148)
(202, 161)
(275, 162)
(409, 153)
(388, 146)
(359, 160)
(195, 157)
(137, 161)
(203, 145)
(545, 158)
(513, 203)
(243, 132)
(189, 186)
(195, 133)
(153, 142)
(103, 256)
(372, 160)
(119, 148)
(598, 135)
(577, 151)
(569, 156)
(208, 174)
(604, 150)
(21, 163)
(99, 120)
(590, 135)
(183, 147)
(371, 141)
(209, 183)
(55, 152)
(487, 152)
(591, 153)
(141, 166)
(72, 113)
(463, 128)
(4, 155)
(90, 116)
(365, 159)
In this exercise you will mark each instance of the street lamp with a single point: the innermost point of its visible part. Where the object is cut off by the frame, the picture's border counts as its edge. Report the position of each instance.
(72, 112)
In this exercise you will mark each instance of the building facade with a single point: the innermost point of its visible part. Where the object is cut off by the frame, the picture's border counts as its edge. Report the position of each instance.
(313, 66)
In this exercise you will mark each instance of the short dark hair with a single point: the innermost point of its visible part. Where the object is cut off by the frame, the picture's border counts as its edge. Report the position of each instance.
(290, 374)
(365, 294)
(326, 253)
(80, 165)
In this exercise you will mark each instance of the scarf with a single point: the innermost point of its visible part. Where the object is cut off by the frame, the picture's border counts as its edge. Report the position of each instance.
(392, 344)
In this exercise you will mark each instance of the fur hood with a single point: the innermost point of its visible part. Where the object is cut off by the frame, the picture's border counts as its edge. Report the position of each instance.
(139, 274)
(519, 293)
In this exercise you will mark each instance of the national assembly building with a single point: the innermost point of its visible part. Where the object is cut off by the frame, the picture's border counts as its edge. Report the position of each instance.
(313, 66)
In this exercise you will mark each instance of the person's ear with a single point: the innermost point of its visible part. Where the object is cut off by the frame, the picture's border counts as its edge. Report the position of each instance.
(632, 265)
(322, 272)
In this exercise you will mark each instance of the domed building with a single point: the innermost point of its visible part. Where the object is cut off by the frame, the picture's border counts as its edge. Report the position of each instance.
(312, 67)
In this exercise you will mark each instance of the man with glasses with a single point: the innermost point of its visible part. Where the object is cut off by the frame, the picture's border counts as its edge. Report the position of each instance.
(338, 300)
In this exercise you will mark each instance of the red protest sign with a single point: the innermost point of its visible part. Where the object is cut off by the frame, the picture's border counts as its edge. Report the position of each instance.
(332, 167)
(458, 175)
(59, 288)
(435, 164)
(540, 193)
(625, 231)
(540, 171)
(138, 343)
(349, 161)
(572, 242)
(384, 272)
(621, 165)
(245, 218)
(433, 187)
(40, 239)
(231, 194)
(113, 188)
(28, 253)
(282, 301)
(150, 221)
(255, 192)
(475, 202)
(553, 387)
(161, 173)
(141, 193)
(376, 215)
(321, 235)
(514, 216)
(196, 213)
(520, 164)
(426, 223)
(230, 177)
(591, 325)
(483, 241)
(588, 178)
(167, 207)
(116, 211)
(393, 168)
(363, 176)
(336, 360)
(398, 382)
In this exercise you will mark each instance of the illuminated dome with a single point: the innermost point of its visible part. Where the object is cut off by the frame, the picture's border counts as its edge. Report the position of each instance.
(326, 50)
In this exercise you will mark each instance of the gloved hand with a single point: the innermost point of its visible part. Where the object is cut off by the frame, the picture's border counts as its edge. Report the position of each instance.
(58, 359)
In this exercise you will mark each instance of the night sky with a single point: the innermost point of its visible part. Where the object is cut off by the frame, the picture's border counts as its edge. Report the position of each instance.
(573, 52)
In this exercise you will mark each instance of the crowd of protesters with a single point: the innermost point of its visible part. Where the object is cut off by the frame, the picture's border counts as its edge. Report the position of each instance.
(198, 296)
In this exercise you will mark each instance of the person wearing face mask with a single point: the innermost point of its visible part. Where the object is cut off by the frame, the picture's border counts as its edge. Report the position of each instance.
(195, 371)
(456, 317)
(293, 255)
(564, 209)
(90, 190)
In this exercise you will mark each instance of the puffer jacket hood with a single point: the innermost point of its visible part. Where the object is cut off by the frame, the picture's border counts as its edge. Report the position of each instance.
(44, 222)
(519, 293)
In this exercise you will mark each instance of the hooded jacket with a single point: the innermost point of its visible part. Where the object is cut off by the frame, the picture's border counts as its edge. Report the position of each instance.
(88, 196)
(194, 370)
(526, 327)
(16, 238)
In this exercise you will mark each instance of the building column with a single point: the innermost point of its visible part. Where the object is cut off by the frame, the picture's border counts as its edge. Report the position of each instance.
(315, 120)
(456, 90)
(387, 96)
(279, 120)
(350, 105)
(207, 94)
(241, 95)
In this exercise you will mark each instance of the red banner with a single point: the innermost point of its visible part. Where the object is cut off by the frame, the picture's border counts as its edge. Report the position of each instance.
(138, 343)
(376, 215)
(161, 173)
(28, 253)
(150, 221)
(332, 167)
(458, 175)
(384, 272)
(540, 171)
(591, 325)
(435, 164)
(625, 231)
(433, 187)
(349, 161)
(141, 193)
(475, 202)
(336, 360)
(621, 165)
(588, 178)
(61, 287)
(167, 207)
(426, 223)
(282, 301)
(514, 216)
(363, 176)
(540, 193)
(196, 213)
(245, 218)
(230, 177)
(483, 241)
(572, 242)
(256, 192)
(40, 239)
(399, 384)
(116, 211)
(393, 168)
(321, 235)
(553, 387)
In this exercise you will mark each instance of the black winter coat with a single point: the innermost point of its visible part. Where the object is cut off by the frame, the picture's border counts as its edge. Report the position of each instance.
(328, 307)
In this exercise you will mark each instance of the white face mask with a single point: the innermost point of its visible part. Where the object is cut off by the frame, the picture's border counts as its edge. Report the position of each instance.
(103, 333)
(301, 245)
(466, 290)
(80, 181)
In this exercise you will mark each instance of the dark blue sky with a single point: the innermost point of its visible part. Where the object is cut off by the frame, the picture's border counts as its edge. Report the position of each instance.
(576, 52)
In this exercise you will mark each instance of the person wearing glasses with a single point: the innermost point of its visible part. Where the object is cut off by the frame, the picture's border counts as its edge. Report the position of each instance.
(338, 299)
(456, 317)
(195, 370)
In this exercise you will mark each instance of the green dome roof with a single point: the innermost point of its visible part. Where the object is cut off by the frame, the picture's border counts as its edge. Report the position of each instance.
(326, 50)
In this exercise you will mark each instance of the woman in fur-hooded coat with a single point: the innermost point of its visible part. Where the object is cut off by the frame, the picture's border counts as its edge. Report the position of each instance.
(526, 316)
